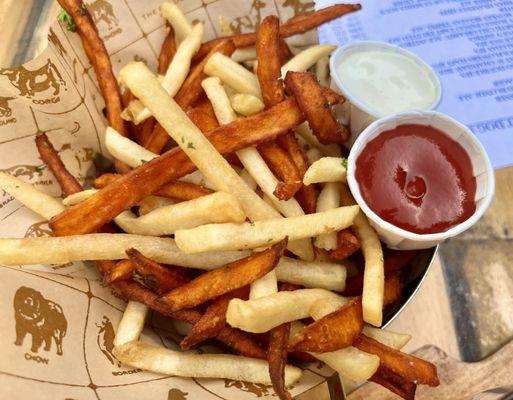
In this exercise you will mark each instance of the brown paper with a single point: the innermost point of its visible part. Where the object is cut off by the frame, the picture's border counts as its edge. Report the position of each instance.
(58, 322)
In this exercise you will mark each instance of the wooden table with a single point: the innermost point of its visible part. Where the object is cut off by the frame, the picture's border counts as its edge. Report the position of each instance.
(464, 307)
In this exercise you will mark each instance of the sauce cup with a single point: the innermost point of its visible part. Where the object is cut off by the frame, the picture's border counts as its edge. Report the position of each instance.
(401, 239)
(361, 112)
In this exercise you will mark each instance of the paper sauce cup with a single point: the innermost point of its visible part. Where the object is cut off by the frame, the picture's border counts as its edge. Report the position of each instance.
(398, 238)
(361, 115)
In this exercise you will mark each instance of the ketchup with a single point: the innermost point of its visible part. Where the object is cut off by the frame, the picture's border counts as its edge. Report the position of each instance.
(417, 178)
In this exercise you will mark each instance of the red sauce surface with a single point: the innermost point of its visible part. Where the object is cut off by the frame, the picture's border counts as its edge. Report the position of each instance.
(417, 178)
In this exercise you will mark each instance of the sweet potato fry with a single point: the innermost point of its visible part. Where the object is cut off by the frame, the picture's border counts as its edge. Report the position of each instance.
(102, 207)
(225, 279)
(396, 260)
(332, 332)
(347, 244)
(277, 358)
(167, 51)
(410, 368)
(294, 26)
(122, 271)
(214, 319)
(313, 104)
(236, 340)
(393, 288)
(204, 121)
(175, 190)
(285, 52)
(99, 58)
(307, 198)
(395, 383)
(190, 91)
(153, 275)
(50, 157)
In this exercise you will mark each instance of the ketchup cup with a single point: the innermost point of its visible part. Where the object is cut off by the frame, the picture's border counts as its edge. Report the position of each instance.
(401, 239)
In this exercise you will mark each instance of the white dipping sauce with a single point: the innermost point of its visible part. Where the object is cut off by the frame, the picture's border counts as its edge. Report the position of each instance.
(387, 82)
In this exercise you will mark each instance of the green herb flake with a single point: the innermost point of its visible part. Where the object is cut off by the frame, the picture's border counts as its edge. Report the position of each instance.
(144, 161)
(39, 168)
(344, 162)
(252, 223)
(270, 240)
(67, 19)
(190, 145)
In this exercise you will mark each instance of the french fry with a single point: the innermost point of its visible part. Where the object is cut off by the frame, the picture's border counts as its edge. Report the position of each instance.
(25, 193)
(394, 382)
(261, 233)
(307, 58)
(176, 190)
(132, 323)
(245, 54)
(150, 203)
(313, 155)
(99, 58)
(153, 275)
(322, 71)
(76, 198)
(121, 271)
(175, 74)
(374, 274)
(51, 158)
(307, 197)
(204, 121)
(329, 276)
(216, 207)
(314, 105)
(225, 279)
(167, 50)
(169, 362)
(277, 358)
(347, 244)
(174, 16)
(387, 337)
(266, 285)
(332, 332)
(294, 26)
(246, 104)
(411, 368)
(191, 89)
(327, 169)
(213, 321)
(103, 246)
(101, 208)
(232, 74)
(264, 313)
(393, 288)
(328, 199)
(125, 149)
(219, 100)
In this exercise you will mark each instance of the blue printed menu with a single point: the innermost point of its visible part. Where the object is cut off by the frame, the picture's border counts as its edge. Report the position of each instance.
(469, 43)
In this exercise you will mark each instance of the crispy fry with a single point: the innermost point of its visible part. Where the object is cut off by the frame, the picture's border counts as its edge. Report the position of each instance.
(332, 332)
(202, 119)
(50, 157)
(294, 26)
(329, 198)
(347, 244)
(153, 275)
(411, 368)
(122, 271)
(277, 358)
(307, 197)
(394, 382)
(393, 288)
(285, 52)
(167, 51)
(315, 107)
(99, 58)
(176, 190)
(214, 319)
(101, 208)
(233, 338)
(225, 279)
(191, 89)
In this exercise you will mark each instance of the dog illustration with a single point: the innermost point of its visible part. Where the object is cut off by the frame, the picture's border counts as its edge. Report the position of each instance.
(41, 318)
(29, 82)
(257, 389)
(105, 340)
(30, 171)
(298, 6)
(54, 39)
(39, 229)
(102, 11)
(5, 110)
(251, 21)
(176, 394)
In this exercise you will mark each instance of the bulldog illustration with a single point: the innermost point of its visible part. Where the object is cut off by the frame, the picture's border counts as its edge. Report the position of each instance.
(39, 317)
